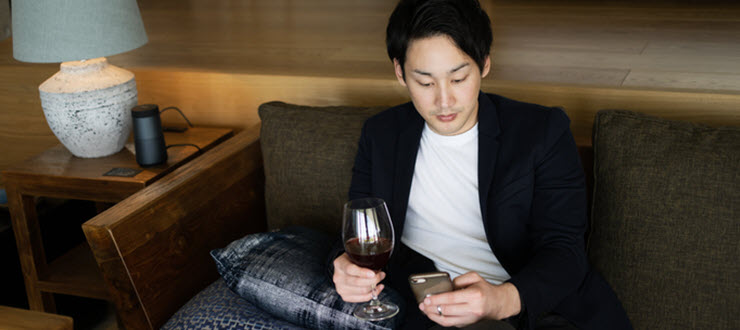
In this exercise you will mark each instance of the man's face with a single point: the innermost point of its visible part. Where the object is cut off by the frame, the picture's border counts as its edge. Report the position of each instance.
(443, 82)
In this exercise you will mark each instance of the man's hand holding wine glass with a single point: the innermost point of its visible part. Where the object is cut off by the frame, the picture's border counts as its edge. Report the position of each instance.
(354, 283)
(367, 232)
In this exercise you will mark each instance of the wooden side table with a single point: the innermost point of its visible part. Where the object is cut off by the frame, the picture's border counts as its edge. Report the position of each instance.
(57, 173)
(19, 319)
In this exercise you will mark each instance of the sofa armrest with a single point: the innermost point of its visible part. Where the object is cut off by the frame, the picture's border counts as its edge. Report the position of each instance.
(153, 247)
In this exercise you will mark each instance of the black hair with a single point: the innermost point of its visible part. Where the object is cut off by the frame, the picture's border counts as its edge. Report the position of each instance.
(464, 21)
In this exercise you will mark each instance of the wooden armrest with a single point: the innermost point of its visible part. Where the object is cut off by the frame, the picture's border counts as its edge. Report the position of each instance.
(153, 247)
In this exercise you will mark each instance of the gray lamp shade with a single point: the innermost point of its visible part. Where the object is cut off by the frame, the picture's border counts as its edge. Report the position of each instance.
(51, 31)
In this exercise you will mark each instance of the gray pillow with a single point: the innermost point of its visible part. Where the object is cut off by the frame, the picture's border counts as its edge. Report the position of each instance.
(285, 273)
(219, 308)
(666, 219)
(308, 155)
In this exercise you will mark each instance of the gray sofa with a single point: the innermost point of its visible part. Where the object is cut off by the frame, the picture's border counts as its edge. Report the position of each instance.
(665, 227)
(665, 221)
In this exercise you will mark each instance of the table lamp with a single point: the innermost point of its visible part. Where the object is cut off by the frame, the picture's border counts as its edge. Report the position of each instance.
(88, 103)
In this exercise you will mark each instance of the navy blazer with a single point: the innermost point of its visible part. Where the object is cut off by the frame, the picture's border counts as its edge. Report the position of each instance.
(532, 198)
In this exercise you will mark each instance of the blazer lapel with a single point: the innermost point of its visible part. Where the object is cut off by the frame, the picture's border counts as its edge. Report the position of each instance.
(488, 145)
(407, 147)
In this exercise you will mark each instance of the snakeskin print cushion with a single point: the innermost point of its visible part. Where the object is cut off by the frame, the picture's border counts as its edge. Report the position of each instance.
(286, 274)
(219, 308)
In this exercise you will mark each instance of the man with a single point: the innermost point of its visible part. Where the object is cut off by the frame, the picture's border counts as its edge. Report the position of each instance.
(488, 189)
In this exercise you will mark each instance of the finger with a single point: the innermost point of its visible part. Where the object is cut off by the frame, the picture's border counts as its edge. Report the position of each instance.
(358, 281)
(447, 310)
(466, 280)
(341, 261)
(446, 298)
(446, 319)
(355, 290)
(360, 289)
(351, 285)
(354, 270)
(379, 289)
(456, 310)
(355, 297)
(344, 279)
(343, 264)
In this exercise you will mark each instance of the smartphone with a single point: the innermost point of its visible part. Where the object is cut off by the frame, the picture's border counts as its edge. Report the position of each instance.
(426, 284)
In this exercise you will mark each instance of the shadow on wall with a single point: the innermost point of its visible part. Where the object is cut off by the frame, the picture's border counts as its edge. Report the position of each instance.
(4, 19)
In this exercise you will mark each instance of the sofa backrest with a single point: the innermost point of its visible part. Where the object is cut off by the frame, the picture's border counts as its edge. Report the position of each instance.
(308, 155)
(666, 220)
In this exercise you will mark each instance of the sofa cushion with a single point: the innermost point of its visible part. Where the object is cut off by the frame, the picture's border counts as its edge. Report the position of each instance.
(219, 308)
(286, 274)
(665, 219)
(308, 155)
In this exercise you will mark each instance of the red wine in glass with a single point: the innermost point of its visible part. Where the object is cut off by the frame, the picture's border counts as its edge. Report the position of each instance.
(368, 237)
(372, 255)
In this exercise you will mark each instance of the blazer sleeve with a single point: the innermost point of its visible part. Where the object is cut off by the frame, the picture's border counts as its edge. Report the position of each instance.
(360, 186)
(557, 263)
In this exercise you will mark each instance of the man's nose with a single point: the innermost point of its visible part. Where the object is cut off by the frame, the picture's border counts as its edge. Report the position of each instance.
(445, 98)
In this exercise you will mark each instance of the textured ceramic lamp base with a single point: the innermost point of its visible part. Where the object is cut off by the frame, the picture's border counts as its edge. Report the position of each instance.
(87, 105)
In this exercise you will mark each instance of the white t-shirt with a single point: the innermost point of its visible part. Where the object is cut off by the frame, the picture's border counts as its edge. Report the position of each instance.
(443, 220)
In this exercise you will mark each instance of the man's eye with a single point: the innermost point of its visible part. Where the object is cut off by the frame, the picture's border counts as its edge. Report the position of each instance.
(425, 85)
(457, 81)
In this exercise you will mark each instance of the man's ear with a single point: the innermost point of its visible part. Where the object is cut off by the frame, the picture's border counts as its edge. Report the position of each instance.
(486, 67)
(399, 72)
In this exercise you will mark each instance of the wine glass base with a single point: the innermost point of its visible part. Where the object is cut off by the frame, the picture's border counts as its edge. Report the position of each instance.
(378, 312)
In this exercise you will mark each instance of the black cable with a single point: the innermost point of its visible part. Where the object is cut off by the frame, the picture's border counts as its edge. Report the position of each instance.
(189, 124)
(178, 110)
(183, 145)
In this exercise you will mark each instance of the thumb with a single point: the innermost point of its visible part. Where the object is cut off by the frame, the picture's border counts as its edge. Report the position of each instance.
(466, 280)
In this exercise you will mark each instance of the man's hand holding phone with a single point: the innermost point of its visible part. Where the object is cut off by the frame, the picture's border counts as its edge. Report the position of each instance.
(354, 283)
(427, 284)
(472, 300)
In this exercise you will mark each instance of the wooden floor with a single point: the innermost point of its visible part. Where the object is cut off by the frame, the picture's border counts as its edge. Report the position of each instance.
(199, 49)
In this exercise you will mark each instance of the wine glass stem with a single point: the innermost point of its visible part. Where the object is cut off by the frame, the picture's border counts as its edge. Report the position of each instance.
(375, 301)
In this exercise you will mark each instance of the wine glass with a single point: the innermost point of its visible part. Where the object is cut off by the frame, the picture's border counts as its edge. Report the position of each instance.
(368, 237)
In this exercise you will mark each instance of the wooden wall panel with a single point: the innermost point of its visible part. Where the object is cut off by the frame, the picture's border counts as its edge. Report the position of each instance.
(23, 128)
(221, 99)
(231, 100)
(219, 59)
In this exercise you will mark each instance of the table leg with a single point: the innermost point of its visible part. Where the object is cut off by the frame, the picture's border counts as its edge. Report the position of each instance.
(30, 248)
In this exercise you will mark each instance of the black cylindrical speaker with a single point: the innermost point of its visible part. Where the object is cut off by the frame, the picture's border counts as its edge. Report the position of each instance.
(148, 137)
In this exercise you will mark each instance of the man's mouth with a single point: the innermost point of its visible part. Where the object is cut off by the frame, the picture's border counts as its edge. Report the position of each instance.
(447, 118)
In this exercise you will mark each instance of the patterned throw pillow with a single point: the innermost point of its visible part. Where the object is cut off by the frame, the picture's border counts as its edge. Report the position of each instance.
(219, 308)
(285, 273)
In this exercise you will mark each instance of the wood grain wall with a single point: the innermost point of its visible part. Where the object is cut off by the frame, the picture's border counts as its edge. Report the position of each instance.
(219, 59)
